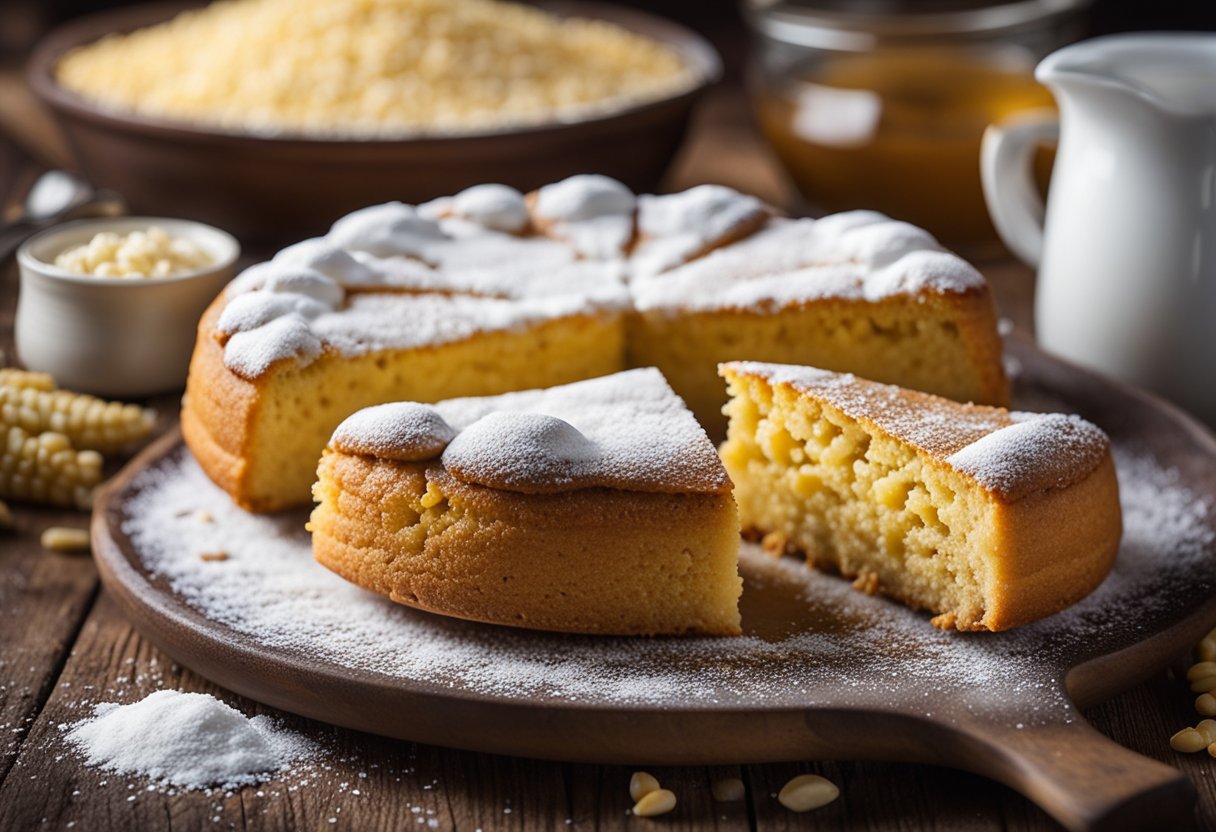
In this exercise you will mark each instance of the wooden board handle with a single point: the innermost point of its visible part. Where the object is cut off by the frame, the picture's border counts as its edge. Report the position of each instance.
(1082, 779)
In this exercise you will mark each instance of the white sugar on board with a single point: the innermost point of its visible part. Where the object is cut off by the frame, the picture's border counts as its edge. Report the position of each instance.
(272, 593)
(187, 740)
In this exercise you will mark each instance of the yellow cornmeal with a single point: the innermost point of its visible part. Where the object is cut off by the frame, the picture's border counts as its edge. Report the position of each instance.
(372, 66)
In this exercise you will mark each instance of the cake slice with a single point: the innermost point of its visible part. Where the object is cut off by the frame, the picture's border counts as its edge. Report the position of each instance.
(594, 507)
(987, 518)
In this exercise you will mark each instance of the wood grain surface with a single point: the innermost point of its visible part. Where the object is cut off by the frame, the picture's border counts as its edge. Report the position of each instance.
(63, 644)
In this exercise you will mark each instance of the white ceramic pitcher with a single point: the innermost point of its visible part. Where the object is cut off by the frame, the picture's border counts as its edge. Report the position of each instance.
(1127, 253)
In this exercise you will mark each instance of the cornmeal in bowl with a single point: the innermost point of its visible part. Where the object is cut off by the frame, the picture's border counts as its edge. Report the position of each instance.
(374, 68)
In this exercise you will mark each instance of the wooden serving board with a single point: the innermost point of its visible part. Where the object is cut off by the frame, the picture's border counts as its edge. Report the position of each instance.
(823, 671)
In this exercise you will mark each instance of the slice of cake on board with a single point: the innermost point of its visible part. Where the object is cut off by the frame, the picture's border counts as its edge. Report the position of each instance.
(594, 507)
(987, 518)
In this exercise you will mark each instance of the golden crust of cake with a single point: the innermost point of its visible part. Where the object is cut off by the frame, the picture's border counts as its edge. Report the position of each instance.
(511, 521)
(987, 518)
(588, 561)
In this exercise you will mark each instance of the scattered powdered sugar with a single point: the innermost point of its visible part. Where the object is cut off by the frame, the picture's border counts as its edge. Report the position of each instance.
(188, 740)
(838, 643)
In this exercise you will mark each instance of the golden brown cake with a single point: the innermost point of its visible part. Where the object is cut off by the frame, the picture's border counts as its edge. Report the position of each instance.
(594, 507)
(490, 291)
(987, 518)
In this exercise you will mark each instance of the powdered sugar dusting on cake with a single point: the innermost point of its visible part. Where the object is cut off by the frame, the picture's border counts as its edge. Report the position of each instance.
(369, 323)
(593, 213)
(522, 451)
(1010, 454)
(373, 322)
(256, 309)
(393, 229)
(577, 248)
(676, 227)
(250, 354)
(328, 258)
(1037, 454)
(405, 431)
(628, 430)
(858, 255)
(270, 592)
(287, 278)
(498, 207)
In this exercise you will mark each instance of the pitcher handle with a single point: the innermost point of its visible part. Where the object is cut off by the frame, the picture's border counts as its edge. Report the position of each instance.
(1006, 169)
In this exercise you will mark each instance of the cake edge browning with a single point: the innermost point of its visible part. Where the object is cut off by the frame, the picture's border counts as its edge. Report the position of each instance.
(218, 411)
(499, 557)
(1063, 545)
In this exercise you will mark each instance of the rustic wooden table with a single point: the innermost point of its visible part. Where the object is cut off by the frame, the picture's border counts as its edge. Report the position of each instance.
(64, 645)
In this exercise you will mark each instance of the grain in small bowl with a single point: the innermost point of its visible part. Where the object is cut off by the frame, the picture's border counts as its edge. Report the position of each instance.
(109, 307)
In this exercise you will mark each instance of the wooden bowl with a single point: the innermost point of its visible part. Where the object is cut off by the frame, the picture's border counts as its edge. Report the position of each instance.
(284, 188)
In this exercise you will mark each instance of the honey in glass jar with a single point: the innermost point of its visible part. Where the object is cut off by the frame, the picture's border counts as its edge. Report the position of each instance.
(886, 110)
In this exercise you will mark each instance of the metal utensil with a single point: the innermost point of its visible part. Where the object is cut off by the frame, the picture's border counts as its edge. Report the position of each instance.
(58, 196)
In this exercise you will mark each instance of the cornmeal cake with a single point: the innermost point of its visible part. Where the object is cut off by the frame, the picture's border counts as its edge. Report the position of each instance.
(595, 507)
(987, 518)
(491, 291)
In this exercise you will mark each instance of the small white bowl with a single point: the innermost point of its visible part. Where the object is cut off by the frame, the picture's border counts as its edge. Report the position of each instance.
(115, 336)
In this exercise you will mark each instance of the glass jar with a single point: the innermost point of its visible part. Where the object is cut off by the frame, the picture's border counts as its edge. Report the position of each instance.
(882, 105)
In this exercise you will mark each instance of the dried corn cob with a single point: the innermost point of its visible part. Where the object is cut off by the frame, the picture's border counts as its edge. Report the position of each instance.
(45, 468)
(88, 422)
(12, 377)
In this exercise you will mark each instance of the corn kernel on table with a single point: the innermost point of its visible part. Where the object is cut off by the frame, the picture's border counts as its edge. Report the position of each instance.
(63, 642)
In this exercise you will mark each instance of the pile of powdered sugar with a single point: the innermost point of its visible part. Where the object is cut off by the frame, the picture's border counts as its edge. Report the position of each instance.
(271, 592)
(187, 740)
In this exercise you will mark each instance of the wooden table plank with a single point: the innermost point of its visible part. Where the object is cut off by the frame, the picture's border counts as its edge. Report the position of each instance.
(43, 600)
